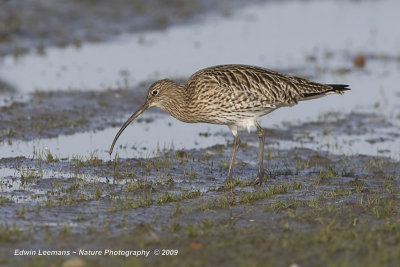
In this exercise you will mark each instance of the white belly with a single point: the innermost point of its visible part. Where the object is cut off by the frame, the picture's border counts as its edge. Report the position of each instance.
(246, 124)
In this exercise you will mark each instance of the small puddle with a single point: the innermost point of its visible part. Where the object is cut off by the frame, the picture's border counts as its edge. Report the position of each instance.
(12, 188)
(140, 139)
(348, 145)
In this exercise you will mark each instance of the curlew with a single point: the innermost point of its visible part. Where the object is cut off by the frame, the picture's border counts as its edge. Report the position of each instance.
(232, 95)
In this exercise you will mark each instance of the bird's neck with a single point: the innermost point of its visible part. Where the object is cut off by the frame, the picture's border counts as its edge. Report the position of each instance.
(178, 103)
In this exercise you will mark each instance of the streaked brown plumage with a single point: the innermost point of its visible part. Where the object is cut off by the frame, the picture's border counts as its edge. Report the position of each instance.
(232, 95)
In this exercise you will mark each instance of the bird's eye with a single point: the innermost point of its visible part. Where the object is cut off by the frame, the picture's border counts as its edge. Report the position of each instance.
(154, 92)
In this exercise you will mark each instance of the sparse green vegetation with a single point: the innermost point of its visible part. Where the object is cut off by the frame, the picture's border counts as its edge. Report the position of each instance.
(308, 198)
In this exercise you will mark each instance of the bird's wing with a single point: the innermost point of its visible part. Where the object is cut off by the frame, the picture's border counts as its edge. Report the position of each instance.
(256, 82)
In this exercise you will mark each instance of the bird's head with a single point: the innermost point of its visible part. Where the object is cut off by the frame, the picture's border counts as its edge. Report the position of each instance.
(159, 92)
(156, 97)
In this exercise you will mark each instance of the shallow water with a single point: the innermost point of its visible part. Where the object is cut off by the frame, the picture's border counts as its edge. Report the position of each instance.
(142, 140)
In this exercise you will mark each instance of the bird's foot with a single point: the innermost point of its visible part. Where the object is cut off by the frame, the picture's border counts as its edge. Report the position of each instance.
(260, 179)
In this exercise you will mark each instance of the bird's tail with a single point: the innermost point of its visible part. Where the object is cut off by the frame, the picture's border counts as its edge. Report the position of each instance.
(338, 88)
(335, 88)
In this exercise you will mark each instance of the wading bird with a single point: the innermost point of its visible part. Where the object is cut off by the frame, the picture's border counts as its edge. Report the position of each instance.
(232, 95)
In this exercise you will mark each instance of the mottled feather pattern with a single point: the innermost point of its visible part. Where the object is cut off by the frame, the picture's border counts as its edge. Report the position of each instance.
(227, 94)
(267, 86)
(233, 95)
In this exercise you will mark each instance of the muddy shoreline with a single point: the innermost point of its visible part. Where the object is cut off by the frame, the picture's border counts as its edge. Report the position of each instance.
(177, 199)
(309, 197)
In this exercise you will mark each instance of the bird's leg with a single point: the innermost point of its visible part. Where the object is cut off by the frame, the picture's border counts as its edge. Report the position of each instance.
(236, 143)
(261, 140)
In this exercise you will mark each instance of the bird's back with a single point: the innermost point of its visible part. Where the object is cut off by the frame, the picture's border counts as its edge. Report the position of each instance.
(227, 94)
(253, 82)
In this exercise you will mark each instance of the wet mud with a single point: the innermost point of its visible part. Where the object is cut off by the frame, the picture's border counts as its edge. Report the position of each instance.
(178, 200)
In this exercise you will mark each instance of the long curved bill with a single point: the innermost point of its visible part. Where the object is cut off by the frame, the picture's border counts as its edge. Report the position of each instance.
(134, 116)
